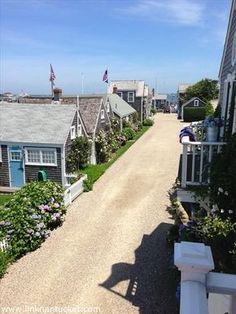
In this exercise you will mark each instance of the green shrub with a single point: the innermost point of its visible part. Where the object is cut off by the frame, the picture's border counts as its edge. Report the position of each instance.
(5, 260)
(194, 114)
(153, 110)
(209, 110)
(103, 149)
(87, 185)
(220, 234)
(34, 210)
(126, 124)
(148, 122)
(222, 180)
(140, 125)
(79, 154)
(128, 133)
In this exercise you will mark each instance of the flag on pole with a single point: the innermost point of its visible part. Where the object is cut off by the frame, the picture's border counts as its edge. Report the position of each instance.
(52, 75)
(105, 77)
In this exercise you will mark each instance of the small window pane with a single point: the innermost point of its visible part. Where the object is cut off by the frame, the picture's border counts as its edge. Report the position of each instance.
(15, 156)
(48, 157)
(33, 155)
(131, 97)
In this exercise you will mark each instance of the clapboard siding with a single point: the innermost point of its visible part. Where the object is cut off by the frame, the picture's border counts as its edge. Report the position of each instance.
(227, 63)
(53, 172)
(4, 169)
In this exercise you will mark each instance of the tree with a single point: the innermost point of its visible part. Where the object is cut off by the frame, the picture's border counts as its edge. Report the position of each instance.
(206, 90)
(79, 154)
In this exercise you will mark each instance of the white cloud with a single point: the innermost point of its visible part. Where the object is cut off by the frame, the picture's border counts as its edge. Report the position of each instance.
(186, 12)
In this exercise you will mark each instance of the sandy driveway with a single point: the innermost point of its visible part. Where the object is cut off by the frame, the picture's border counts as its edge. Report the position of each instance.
(111, 251)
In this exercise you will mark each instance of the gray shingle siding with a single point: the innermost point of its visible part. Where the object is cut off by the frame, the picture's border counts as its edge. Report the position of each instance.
(53, 172)
(227, 64)
(4, 170)
(102, 123)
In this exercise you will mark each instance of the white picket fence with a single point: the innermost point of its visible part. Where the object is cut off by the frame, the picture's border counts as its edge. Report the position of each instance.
(74, 191)
(4, 245)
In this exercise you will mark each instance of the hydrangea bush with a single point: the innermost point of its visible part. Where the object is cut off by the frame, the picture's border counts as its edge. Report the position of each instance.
(30, 215)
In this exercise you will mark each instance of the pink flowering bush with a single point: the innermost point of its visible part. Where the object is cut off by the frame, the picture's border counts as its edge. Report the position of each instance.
(30, 215)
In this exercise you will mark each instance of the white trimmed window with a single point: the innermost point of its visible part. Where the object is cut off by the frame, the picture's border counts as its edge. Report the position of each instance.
(196, 103)
(15, 155)
(72, 132)
(108, 107)
(41, 156)
(79, 130)
(102, 114)
(0, 153)
(120, 94)
(130, 96)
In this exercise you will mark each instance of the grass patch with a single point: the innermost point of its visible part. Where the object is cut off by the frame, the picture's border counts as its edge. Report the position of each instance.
(4, 198)
(95, 171)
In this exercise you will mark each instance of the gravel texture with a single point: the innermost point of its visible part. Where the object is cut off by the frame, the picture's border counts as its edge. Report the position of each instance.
(111, 251)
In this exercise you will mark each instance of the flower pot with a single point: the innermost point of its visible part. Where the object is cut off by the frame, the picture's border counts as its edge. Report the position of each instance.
(212, 134)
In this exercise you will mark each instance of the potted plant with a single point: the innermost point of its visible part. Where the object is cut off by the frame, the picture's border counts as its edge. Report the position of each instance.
(212, 128)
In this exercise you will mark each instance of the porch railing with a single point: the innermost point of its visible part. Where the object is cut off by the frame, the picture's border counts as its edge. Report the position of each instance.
(196, 159)
(203, 291)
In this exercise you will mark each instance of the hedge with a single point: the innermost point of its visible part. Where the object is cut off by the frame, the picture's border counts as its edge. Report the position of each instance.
(194, 114)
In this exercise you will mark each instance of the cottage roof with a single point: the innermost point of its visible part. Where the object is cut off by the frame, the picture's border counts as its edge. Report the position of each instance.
(129, 85)
(191, 100)
(30, 123)
(119, 106)
(89, 108)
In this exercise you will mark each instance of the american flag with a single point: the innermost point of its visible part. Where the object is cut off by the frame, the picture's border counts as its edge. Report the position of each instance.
(52, 75)
(105, 77)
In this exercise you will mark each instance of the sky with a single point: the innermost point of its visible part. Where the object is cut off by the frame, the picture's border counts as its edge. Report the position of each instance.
(164, 42)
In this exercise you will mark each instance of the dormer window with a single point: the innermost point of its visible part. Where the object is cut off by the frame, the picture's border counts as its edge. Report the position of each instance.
(130, 96)
(72, 132)
(108, 107)
(102, 114)
(196, 103)
(79, 130)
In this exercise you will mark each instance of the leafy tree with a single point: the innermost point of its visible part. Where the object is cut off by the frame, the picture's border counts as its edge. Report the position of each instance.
(206, 89)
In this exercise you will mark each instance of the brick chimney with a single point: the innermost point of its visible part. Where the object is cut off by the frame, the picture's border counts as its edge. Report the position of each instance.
(57, 93)
(114, 89)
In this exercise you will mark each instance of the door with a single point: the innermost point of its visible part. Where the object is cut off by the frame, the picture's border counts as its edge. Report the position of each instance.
(16, 166)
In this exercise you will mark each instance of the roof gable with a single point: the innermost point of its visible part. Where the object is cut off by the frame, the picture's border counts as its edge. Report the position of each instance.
(119, 106)
(191, 100)
(89, 108)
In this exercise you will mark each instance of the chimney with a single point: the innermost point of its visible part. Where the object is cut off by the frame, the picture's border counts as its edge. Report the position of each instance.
(57, 92)
(114, 89)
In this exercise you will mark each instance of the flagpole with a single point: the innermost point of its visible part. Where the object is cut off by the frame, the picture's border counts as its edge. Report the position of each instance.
(82, 83)
(52, 88)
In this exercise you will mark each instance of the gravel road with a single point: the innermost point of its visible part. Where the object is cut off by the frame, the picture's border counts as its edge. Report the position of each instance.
(110, 254)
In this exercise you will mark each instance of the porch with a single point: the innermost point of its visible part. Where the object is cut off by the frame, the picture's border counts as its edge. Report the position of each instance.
(195, 161)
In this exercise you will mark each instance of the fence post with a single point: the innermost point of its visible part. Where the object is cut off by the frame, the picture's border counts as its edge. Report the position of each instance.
(184, 165)
(194, 260)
